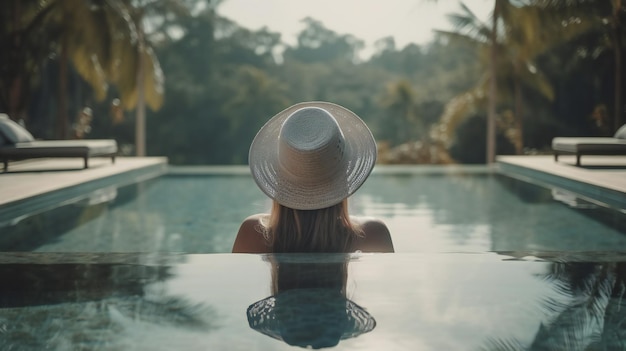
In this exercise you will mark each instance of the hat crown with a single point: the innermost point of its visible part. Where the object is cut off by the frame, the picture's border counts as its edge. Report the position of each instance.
(312, 155)
(311, 145)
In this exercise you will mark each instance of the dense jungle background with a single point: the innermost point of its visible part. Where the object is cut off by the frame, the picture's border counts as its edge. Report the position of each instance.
(201, 85)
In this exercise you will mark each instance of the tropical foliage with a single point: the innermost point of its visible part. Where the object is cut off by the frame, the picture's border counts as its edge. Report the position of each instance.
(551, 67)
(585, 313)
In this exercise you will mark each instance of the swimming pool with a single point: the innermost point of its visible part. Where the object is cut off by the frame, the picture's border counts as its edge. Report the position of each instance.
(412, 301)
(466, 209)
(483, 262)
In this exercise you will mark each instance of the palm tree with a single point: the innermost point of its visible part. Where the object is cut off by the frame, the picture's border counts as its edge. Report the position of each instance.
(23, 48)
(83, 36)
(488, 39)
(605, 18)
(616, 38)
(100, 40)
(515, 36)
(147, 87)
(493, 87)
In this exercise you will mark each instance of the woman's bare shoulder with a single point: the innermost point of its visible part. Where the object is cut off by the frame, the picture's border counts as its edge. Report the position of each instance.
(250, 238)
(376, 236)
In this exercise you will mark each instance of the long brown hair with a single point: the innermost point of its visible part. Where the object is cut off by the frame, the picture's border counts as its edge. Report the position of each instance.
(330, 273)
(324, 230)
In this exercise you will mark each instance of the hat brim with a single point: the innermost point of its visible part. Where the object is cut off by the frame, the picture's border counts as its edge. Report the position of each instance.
(309, 317)
(309, 194)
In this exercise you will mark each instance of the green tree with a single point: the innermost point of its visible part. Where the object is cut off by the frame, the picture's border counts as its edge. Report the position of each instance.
(520, 35)
(400, 102)
(220, 91)
(99, 42)
(316, 43)
(24, 46)
(191, 105)
(253, 98)
(604, 20)
(148, 81)
(99, 39)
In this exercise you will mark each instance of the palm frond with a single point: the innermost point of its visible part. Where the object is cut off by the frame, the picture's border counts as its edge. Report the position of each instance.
(457, 110)
(579, 313)
(471, 14)
(154, 80)
(460, 38)
(172, 310)
(494, 344)
(83, 40)
(459, 21)
(468, 23)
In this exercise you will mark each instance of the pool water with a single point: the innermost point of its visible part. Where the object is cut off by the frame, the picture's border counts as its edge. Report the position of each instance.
(412, 301)
(483, 262)
(425, 212)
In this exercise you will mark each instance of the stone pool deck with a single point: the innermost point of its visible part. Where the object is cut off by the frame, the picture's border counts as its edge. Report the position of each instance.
(34, 185)
(603, 176)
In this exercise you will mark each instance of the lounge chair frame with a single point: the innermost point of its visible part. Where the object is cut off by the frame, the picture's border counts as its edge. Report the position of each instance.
(84, 149)
(580, 146)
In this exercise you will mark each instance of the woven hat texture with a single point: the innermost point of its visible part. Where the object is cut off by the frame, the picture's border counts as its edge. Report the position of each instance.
(312, 155)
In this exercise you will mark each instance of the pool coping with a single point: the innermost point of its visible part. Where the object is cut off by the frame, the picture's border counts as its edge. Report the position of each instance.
(379, 169)
(37, 187)
(601, 180)
(173, 258)
(42, 184)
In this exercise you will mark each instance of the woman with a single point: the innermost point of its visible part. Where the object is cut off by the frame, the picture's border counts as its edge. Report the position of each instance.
(309, 159)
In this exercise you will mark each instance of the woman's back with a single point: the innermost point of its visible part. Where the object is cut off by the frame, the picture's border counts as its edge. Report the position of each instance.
(375, 236)
(309, 159)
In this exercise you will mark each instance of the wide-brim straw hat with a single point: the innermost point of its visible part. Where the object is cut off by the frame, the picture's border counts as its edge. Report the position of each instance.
(310, 318)
(312, 155)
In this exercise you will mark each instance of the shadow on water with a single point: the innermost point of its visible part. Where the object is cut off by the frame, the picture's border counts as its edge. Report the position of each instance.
(87, 306)
(588, 314)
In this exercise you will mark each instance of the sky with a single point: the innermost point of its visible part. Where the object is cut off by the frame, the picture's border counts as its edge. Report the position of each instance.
(408, 21)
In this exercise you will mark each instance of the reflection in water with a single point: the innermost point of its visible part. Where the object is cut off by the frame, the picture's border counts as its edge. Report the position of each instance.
(482, 212)
(89, 306)
(308, 306)
(588, 314)
(441, 211)
(42, 223)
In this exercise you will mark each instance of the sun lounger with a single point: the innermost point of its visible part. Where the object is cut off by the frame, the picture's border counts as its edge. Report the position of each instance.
(16, 143)
(590, 145)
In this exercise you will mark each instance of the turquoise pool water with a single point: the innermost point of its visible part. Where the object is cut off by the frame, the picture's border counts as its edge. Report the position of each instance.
(483, 262)
(431, 211)
(413, 301)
